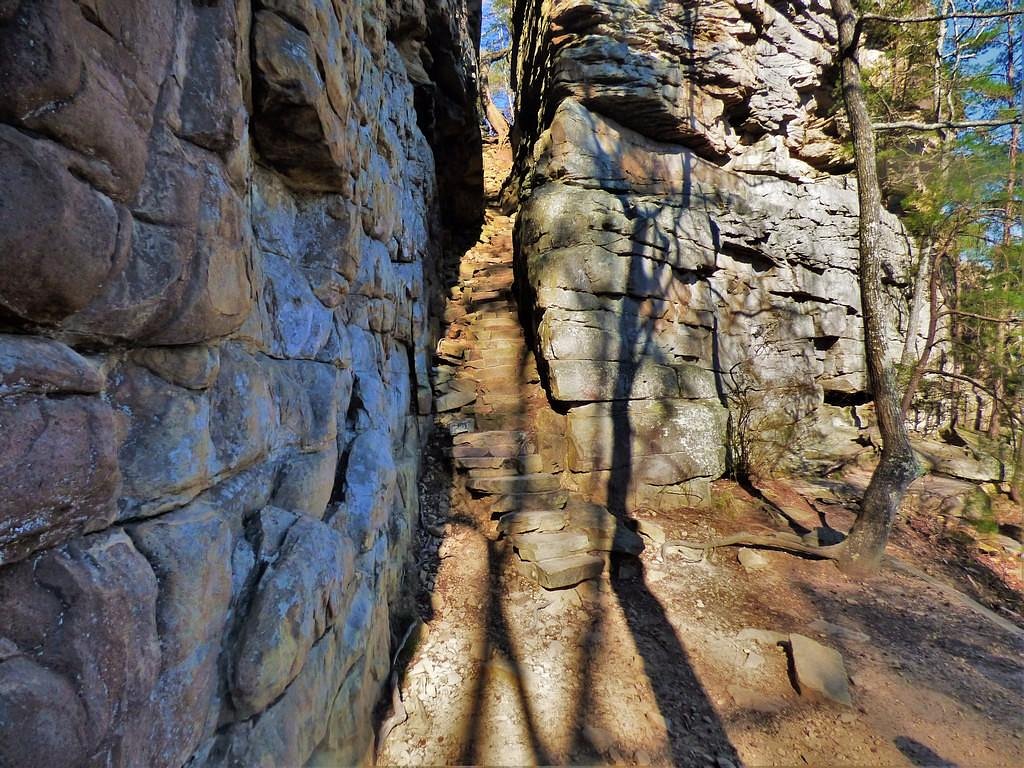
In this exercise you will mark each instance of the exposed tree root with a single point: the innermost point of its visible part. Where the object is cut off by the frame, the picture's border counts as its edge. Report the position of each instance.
(787, 542)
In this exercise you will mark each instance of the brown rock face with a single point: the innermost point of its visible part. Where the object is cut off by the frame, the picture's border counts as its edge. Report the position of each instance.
(89, 78)
(219, 229)
(41, 507)
(81, 633)
(61, 237)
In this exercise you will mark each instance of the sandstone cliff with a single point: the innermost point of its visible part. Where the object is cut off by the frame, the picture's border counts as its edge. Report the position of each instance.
(220, 288)
(687, 234)
(218, 247)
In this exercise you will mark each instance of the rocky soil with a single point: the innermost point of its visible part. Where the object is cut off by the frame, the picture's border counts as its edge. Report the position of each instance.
(657, 664)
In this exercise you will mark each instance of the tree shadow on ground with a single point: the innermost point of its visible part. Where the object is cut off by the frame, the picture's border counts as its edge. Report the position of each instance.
(694, 730)
(920, 755)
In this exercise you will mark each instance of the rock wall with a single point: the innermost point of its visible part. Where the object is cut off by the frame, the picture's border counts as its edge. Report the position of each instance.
(687, 236)
(218, 232)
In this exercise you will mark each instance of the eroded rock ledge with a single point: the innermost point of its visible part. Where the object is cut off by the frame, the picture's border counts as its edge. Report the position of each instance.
(218, 246)
(687, 232)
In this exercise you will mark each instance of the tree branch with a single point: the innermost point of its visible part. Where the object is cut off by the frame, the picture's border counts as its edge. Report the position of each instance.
(940, 16)
(785, 541)
(913, 125)
(961, 377)
(1002, 403)
(490, 57)
(986, 318)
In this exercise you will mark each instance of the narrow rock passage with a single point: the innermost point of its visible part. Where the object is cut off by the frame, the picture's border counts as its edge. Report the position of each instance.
(529, 657)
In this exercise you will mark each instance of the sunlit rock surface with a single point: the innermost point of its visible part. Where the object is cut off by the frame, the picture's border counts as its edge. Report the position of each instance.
(688, 225)
(218, 244)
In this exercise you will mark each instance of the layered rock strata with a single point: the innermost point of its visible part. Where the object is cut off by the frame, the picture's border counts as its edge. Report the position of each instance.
(217, 252)
(687, 235)
(507, 441)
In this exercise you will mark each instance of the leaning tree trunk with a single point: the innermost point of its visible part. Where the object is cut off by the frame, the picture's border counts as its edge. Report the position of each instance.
(1017, 478)
(896, 470)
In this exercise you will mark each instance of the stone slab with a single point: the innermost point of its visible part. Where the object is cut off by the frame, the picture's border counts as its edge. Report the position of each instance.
(536, 483)
(528, 502)
(564, 571)
(819, 670)
(547, 545)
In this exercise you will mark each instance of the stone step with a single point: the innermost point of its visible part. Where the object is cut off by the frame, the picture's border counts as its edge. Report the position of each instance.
(454, 400)
(515, 362)
(506, 336)
(615, 538)
(492, 276)
(487, 437)
(525, 464)
(478, 303)
(528, 502)
(504, 401)
(498, 420)
(499, 375)
(481, 295)
(450, 349)
(491, 352)
(537, 520)
(443, 385)
(453, 312)
(443, 373)
(493, 321)
(563, 571)
(539, 546)
(533, 483)
(605, 531)
(495, 450)
(482, 473)
(494, 317)
(501, 466)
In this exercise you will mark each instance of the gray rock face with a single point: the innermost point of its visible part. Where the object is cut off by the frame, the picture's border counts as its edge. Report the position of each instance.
(685, 226)
(218, 247)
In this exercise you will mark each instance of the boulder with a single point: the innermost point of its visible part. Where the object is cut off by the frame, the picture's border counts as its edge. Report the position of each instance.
(32, 365)
(59, 238)
(90, 82)
(369, 489)
(819, 670)
(168, 452)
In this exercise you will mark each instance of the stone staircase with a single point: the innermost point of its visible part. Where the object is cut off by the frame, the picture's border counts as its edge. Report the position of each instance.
(507, 442)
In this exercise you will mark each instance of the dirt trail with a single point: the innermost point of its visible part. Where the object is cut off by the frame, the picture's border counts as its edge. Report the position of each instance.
(649, 663)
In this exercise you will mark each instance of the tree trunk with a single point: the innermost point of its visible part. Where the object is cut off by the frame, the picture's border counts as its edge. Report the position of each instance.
(495, 117)
(1017, 479)
(999, 367)
(865, 545)
(933, 326)
(921, 283)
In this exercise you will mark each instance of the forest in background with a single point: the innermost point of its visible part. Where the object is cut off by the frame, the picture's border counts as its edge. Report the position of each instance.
(946, 97)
